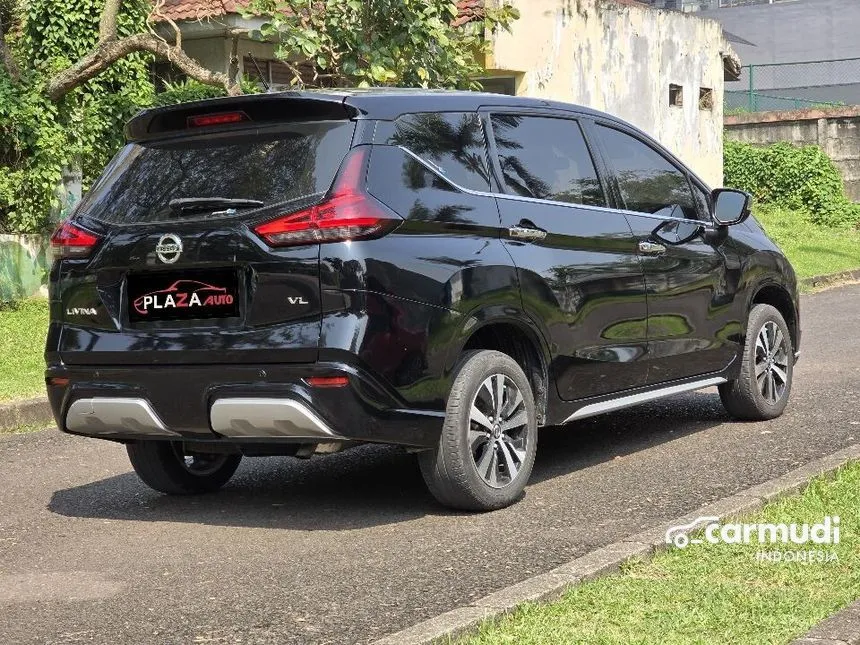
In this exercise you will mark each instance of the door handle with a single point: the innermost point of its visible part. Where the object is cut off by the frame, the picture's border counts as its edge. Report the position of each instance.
(651, 248)
(526, 233)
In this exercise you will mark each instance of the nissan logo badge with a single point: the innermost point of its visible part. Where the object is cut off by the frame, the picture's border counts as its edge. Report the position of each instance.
(169, 248)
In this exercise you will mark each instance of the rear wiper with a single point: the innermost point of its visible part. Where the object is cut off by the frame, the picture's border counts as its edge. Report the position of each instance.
(207, 203)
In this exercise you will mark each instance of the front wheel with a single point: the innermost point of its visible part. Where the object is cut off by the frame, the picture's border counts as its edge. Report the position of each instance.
(168, 468)
(487, 448)
(763, 386)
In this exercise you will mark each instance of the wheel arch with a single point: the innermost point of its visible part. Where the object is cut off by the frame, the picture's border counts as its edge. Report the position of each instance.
(777, 296)
(519, 340)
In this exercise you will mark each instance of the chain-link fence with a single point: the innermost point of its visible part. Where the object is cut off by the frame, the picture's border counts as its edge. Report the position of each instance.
(792, 86)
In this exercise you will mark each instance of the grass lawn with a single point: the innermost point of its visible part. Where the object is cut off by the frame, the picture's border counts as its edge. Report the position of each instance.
(708, 593)
(24, 429)
(813, 250)
(22, 342)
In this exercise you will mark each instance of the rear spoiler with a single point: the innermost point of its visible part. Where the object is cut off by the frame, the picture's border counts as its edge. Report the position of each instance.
(237, 112)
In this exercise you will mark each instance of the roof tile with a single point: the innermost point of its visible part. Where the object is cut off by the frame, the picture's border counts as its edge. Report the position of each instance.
(199, 9)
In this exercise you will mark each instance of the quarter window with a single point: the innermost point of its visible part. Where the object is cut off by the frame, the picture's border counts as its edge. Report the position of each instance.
(546, 158)
(649, 183)
(453, 142)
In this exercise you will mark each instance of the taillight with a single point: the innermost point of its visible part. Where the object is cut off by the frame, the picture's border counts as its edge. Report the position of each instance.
(69, 241)
(345, 213)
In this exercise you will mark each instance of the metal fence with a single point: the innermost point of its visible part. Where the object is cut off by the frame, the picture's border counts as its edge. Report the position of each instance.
(790, 86)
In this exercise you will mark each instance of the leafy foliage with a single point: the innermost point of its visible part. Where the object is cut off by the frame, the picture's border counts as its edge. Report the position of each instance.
(339, 42)
(185, 91)
(38, 138)
(364, 43)
(791, 177)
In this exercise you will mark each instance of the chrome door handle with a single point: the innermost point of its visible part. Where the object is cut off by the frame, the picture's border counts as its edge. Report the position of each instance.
(523, 233)
(651, 248)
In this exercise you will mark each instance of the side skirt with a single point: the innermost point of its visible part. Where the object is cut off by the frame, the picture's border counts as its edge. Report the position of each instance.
(626, 401)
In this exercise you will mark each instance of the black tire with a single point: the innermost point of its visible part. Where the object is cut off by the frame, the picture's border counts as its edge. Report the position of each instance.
(451, 470)
(162, 466)
(758, 398)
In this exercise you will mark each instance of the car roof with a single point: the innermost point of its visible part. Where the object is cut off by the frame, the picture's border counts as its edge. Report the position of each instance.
(386, 103)
(390, 102)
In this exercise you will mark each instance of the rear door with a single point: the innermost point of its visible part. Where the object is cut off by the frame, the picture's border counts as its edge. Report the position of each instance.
(179, 276)
(691, 278)
(580, 274)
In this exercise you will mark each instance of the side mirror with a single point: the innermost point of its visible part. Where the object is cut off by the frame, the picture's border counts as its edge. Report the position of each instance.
(730, 206)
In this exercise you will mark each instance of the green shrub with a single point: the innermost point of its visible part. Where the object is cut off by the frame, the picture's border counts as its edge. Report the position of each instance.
(791, 177)
(184, 91)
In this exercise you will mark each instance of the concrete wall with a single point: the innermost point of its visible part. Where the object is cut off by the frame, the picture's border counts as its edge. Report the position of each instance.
(24, 266)
(622, 59)
(836, 131)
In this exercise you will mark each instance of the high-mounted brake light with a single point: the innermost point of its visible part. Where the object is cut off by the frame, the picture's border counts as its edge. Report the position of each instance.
(69, 241)
(346, 213)
(222, 118)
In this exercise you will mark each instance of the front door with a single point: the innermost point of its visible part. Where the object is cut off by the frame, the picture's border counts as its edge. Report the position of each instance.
(578, 265)
(692, 280)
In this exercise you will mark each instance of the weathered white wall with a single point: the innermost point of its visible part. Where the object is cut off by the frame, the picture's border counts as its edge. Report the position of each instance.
(621, 59)
(24, 265)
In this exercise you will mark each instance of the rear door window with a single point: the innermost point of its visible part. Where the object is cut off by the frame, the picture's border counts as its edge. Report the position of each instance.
(263, 169)
(546, 158)
(452, 142)
(649, 182)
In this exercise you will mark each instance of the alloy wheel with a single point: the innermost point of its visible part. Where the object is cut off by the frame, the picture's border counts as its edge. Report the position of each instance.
(498, 431)
(771, 362)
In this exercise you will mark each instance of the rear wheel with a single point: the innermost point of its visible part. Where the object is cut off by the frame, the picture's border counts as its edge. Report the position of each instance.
(487, 448)
(168, 468)
(763, 386)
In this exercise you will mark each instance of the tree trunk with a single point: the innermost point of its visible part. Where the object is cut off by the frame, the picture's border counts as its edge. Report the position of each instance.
(6, 58)
(110, 51)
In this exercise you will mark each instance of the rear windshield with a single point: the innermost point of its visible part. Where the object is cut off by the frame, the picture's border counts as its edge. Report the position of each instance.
(276, 167)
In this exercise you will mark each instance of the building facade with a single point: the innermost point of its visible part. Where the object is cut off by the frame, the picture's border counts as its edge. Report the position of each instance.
(662, 71)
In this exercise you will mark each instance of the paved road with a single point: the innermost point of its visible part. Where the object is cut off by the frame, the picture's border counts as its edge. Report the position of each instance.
(350, 547)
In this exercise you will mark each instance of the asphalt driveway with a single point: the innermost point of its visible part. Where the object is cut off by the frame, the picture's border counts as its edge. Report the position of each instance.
(350, 547)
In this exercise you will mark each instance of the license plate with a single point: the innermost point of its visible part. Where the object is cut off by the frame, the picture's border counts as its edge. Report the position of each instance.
(183, 296)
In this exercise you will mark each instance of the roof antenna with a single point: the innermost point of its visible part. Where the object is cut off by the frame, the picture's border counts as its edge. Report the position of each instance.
(260, 72)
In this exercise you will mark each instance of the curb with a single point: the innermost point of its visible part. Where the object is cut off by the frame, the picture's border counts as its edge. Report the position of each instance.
(842, 628)
(608, 559)
(830, 279)
(25, 412)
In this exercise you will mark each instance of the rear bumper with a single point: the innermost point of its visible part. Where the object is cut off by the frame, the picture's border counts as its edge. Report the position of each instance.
(266, 404)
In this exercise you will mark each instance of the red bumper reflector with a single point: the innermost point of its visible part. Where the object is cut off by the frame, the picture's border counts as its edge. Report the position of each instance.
(327, 381)
(58, 382)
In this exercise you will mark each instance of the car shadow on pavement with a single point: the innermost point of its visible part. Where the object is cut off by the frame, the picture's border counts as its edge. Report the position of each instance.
(376, 485)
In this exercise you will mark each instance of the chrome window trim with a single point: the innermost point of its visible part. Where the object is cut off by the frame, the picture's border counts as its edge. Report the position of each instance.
(536, 200)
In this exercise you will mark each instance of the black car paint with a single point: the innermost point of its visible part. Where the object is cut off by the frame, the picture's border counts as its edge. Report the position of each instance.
(395, 313)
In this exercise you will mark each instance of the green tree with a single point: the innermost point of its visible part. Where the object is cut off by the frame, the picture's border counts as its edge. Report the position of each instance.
(413, 43)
